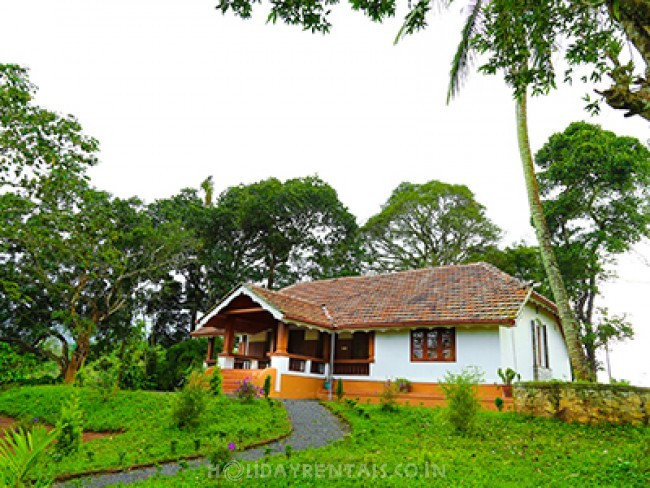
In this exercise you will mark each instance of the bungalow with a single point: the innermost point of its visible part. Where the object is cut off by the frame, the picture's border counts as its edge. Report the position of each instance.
(364, 330)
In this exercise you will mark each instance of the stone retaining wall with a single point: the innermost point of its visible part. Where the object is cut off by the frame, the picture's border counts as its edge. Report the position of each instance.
(584, 403)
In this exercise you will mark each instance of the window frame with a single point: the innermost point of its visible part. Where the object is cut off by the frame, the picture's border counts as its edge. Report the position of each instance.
(439, 345)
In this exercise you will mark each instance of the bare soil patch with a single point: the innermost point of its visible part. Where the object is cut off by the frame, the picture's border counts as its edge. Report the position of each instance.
(9, 423)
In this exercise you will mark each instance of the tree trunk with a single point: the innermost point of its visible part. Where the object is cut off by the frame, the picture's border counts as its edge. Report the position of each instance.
(549, 260)
(77, 360)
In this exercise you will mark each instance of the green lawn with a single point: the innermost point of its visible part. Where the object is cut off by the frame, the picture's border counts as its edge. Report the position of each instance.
(414, 447)
(141, 422)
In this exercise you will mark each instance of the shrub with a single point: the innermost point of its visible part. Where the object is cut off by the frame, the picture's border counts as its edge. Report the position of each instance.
(221, 456)
(69, 427)
(498, 401)
(247, 391)
(388, 395)
(403, 385)
(216, 382)
(101, 375)
(267, 386)
(190, 402)
(20, 450)
(339, 389)
(461, 392)
(178, 360)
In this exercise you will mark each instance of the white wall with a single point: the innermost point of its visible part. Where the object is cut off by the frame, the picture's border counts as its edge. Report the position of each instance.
(517, 345)
(474, 346)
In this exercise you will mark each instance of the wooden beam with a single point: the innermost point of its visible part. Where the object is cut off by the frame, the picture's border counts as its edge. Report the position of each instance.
(238, 311)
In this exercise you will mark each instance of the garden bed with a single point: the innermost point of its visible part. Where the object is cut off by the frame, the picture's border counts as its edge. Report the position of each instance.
(148, 434)
(7, 423)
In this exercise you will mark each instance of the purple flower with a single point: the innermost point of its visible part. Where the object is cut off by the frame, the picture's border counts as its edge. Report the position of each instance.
(35, 419)
(231, 446)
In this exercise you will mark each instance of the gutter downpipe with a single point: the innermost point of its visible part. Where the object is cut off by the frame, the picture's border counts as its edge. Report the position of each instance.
(330, 372)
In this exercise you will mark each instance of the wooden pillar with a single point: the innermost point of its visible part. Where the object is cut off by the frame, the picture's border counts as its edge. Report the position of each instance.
(282, 339)
(210, 348)
(371, 346)
(326, 346)
(229, 338)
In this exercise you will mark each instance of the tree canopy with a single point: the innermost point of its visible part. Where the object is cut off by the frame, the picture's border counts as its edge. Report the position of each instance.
(431, 224)
(294, 230)
(72, 273)
(596, 191)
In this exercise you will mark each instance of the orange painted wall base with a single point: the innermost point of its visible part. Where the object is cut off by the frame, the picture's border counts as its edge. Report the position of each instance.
(297, 387)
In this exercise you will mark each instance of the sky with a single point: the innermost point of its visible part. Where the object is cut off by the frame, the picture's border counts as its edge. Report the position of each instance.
(176, 92)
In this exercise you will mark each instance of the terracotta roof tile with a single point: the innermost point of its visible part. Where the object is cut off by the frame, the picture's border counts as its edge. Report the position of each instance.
(473, 293)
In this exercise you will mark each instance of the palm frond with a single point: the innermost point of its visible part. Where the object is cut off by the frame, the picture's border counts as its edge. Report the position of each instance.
(463, 57)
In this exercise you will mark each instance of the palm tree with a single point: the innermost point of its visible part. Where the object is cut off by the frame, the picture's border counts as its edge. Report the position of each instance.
(459, 71)
(207, 186)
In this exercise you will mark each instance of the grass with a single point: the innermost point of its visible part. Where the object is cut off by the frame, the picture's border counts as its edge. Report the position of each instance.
(414, 447)
(143, 432)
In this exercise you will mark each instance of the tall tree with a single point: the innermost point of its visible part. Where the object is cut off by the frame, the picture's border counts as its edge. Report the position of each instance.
(295, 230)
(75, 269)
(596, 190)
(431, 224)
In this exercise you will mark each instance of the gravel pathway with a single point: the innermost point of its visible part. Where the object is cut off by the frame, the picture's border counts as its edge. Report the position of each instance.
(313, 426)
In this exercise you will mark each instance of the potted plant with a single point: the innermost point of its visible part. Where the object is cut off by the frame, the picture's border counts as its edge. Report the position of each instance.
(507, 376)
(403, 385)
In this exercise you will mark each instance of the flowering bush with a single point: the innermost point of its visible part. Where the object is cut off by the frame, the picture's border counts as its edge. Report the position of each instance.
(221, 456)
(247, 391)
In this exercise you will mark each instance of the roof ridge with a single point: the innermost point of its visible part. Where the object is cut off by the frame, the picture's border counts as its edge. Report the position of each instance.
(391, 273)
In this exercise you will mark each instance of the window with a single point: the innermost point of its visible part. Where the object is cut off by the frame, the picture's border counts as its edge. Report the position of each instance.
(540, 345)
(437, 344)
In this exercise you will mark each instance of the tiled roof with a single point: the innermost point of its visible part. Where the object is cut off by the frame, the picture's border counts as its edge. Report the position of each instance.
(293, 308)
(465, 294)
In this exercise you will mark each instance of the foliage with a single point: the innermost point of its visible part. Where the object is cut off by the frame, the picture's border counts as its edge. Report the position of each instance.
(179, 360)
(388, 396)
(609, 329)
(596, 190)
(189, 405)
(498, 402)
(220, 456)
(247, 391)
(403, 385)
(292, 230)
(511, 450)
(267, 386)
(37, 145)
(425, 225)
(216, 380)
(77, 266)
(508, 375)
(339, 389)
(101, 375)
(139, 426)
(461, 392)
(20, 450)
(69, 427)
(14, 367)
